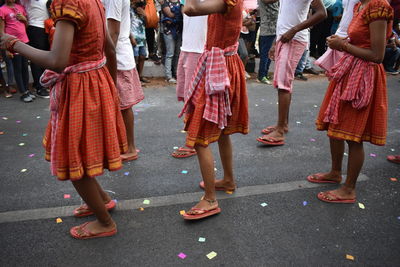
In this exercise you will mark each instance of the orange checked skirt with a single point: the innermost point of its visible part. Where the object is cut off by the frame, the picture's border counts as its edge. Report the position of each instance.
(203, 132)
(91, 133)
(358, 125)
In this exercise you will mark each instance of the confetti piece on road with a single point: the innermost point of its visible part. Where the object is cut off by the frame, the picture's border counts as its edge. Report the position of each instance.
(183, 131)
(5, 118)
(305, 203)
(349, 257)
(21, 144)
(67, 196)
(312, 140)
(202, 239)
(31, 155)
(215, 169)
(23, 170)
(211, 255)
(141, 209)
(137, 150)
(315, 106)
(175, 147)
(37, 117)
(229, 192)
(361, 206)
(182, 255)
(372, 155)
(264, 204)
(24, 134)
(298, 122)
(1, 133)
(184, 172)
(392, 149)
(345, 154)
(58, 220)
(393, 179)
(126, 173)
(18, 121)
(398, 218)
(146, 202)
(182, 212)
(256, 105)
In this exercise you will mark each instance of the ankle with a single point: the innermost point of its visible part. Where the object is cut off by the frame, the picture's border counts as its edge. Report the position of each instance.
(107, 223)
(348, 188)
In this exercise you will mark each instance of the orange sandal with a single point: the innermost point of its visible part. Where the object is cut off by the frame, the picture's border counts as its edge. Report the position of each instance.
(80, 232)
(109, 206)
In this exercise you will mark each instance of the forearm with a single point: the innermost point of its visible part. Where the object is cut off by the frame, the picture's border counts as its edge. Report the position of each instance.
(364, 53)
(110, 53)
(314, 19)
(204, 7)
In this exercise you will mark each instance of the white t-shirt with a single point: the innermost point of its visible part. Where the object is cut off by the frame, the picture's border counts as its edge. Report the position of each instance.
(348, 8)
(292, 13)
(194, 34)
(37, 12)
(119, 10)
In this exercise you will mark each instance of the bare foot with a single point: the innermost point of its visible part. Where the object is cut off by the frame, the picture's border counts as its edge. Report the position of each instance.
(204, 204)
(228, 185)
(342, 193)
(326, 177)
(95, 227)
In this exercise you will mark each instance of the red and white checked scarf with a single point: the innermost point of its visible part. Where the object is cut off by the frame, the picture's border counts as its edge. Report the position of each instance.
(212, 65)
(54, 81)
(358, 89)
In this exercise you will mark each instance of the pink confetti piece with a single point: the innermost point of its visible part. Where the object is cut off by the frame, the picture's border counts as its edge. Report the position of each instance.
(18, 121)
(31, 155)
(137, 150)
(67, 196)
(182, 255)
(312, 140)
(372, 155)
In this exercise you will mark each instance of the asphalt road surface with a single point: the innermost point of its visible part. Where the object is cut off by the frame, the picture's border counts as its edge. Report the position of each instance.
(294, 228)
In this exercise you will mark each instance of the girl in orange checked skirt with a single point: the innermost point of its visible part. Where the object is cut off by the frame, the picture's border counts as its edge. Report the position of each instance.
(86, 133)
(355, 105)
(216, 103)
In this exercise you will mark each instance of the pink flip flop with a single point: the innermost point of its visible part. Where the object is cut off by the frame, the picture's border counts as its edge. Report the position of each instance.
(189, 153)
(270, 141)
(109, 206)
(320, 180)
(201, 213)
(394, 158)
(87, 234)
(334, 198)
(201, 184)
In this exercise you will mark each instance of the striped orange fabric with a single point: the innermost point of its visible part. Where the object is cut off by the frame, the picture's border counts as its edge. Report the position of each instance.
(90, 130)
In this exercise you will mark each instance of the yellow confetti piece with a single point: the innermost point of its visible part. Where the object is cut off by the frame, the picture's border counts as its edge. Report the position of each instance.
(229, 192)
(349, 257)
(393, 179)
(182, 212)
(211, 255)
(23, 170)
(361, 206)
(183, 131)
(141, 209)
(58, 220)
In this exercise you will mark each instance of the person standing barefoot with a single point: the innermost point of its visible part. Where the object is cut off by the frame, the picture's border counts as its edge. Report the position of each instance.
(83, 95)
(216, 104)
(354, 109)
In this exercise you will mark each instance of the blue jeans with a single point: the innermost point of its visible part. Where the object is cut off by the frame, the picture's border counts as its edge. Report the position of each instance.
(21, 74)
(264, 45)
(391, 57)
(173, 48)
(304, 63)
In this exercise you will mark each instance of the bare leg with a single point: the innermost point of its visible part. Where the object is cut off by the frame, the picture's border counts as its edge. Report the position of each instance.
(141, 65)
(354, 165)
(128, 116)
(104, 196)
(87, 189)
(206, 162)
(225, 152)
(284, 99)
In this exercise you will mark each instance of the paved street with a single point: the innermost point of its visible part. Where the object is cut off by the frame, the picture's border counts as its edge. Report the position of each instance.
(293, 229)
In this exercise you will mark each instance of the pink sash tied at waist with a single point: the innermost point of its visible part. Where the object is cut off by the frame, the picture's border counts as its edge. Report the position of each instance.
(212, 66)
(54, 81)
(358, 88)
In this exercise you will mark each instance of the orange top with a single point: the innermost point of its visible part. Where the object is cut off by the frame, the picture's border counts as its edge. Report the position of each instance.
(228, 26)
(89, 38)
(49, 29)
(359, 27)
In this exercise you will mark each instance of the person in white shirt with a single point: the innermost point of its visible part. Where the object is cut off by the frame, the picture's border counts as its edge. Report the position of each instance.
(292, 38)
(37, 14)
(193, 41)
(128, 83)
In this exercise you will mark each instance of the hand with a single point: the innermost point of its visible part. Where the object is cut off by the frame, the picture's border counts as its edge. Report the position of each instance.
(271, 53)
(9, 54)
(141, 12)
(133, 41)
(21, 17)
(287, 36)
(4, 38)
(335, 42)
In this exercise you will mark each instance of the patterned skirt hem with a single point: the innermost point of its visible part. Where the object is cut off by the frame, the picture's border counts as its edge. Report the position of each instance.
(204, 142)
